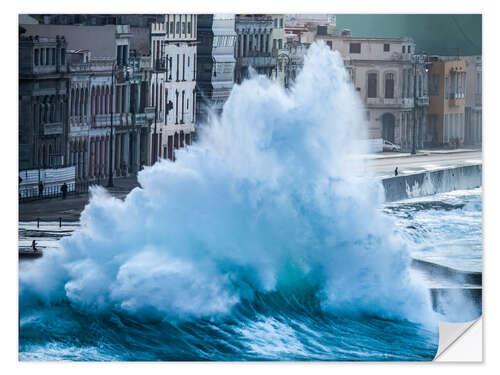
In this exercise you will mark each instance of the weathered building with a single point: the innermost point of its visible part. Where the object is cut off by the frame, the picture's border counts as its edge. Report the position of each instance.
(173, 51)
(447, 101)
(279, 47)
(473, 100)
(384, 72)
(43, 100)
(253, 47)
(215, 60)
(101, 96)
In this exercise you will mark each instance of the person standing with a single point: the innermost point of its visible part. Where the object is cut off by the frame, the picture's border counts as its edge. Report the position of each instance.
(40, 188)
(64, 190)
(396, 171)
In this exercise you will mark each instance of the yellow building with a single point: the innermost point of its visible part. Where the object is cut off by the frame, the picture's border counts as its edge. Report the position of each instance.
(446, 113)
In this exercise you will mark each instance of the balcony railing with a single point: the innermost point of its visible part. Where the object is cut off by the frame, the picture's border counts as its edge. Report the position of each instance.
(53, 128)
(422, 101)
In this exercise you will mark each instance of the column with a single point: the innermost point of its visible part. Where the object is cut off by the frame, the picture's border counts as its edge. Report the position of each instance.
(118, 159)
(126, 155)
(137, 144)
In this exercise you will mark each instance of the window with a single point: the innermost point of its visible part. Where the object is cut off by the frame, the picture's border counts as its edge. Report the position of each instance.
(372, 85)
(281, 23)
(63, 56)
(445, 126)
(446, 87)
(53, 56)
(47, 56)
(389, 86)
(37, 56)
(184, 27)
(367, 115)
(409, 49)
(387, 47)
(172, 27)
(461, 125)
(404, 49)
(329, 44)
(178, 27)
(189, 28)
(275, 23)
(354, 47)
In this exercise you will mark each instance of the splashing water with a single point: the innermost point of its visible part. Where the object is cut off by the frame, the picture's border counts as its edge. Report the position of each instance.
(266, 202)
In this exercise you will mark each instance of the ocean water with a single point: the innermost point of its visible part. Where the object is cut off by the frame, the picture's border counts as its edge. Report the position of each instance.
(445, 228)
(258, 243)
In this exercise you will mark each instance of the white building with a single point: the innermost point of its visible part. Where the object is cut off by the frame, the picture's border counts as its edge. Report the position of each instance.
(382, 71)
(173, 50)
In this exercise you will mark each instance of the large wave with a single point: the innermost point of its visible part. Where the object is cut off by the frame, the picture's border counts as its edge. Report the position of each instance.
(266, 200)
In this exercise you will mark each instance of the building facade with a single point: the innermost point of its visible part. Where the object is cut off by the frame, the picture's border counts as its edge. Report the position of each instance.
(253, 49)
(384, 72)
(43, 100)
(447, 101)
(215, 59)
(173, 50)
(473, 100)
(101, 94)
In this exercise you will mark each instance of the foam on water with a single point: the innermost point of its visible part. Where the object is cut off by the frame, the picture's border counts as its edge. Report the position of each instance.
(265, 201)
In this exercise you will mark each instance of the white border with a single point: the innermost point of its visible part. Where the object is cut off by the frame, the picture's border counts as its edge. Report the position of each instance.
(491, 189)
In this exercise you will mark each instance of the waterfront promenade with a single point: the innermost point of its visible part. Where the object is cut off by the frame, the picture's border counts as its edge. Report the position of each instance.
(69, 209)
(380, 165)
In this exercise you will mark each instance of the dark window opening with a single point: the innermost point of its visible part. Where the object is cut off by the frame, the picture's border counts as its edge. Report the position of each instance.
(389, 86)
(387, 47)
(355, 48)
(372, 85)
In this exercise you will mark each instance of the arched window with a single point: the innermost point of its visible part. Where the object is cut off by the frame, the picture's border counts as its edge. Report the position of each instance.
(372, 85)
(153, 95)
(161, 96)
(92, 102)
(98, 100)
(389, 86)
(72, 102)
(86, 106)
(103, 100)
(107, 101)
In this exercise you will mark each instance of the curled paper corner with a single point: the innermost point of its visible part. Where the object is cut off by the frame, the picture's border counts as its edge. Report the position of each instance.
(460, 342)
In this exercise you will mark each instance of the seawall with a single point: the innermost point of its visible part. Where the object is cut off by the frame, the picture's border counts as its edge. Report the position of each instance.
(432, 182)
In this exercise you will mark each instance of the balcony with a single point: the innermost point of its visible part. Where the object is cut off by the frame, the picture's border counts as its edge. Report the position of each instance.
(140, 119)
(390, 103)
(257, 60)
(455, 99)
(150, 113)
(53, 128)
(423, 101)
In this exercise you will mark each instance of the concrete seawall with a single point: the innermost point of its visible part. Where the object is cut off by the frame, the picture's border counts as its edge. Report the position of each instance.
(432, 182)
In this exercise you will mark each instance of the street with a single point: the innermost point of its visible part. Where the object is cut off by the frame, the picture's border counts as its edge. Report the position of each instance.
(383, 167)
